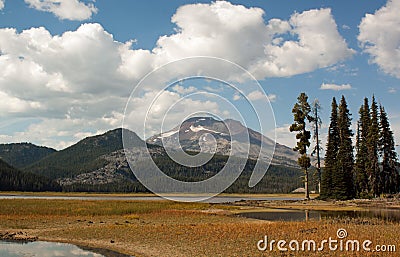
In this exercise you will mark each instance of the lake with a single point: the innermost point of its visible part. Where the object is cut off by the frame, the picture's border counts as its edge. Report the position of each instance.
(43, 249)
(216, 199)
(392, 215)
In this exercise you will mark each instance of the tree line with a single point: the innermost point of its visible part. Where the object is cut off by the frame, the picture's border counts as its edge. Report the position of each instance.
(12, 179)
(367, 169)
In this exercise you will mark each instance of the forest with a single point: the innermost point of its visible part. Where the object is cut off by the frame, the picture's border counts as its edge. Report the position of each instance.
(365, 168)
(12, 179)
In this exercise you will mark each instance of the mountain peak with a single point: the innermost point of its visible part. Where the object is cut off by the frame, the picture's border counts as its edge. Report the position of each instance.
(201, 133)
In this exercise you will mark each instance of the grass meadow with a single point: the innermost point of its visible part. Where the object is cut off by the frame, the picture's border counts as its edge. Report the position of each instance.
(164, 228)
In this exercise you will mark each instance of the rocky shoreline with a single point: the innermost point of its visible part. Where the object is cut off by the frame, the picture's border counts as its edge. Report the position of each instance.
(386, 203)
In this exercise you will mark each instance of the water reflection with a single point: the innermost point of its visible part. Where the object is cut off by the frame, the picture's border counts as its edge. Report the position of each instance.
(381, 214)
(283, 215)
(42, 249)
(392, 215)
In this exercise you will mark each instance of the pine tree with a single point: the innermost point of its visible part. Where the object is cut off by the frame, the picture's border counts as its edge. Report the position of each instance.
(317, 149)
(330, 154)
(372, 167)
(301, 115)
(361, 177)
(342, 180)
(390, 175)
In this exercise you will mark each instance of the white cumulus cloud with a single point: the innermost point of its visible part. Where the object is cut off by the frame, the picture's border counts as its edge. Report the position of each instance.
(335, 87)
(65, 9)
(184, 90)
(319, 45)
(1, 4)
(277, 48)
(258, 95)
(380, 37)
(81, 79)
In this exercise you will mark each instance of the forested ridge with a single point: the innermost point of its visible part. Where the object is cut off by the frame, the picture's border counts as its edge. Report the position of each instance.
(12, 179)
(94, 153)
(20, 155)
(81, 157)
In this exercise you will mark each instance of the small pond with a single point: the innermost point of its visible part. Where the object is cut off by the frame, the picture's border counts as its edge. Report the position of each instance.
(392, 215)
(45, 249)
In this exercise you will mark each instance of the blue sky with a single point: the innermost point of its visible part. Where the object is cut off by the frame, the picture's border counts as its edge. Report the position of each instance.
(67, 70)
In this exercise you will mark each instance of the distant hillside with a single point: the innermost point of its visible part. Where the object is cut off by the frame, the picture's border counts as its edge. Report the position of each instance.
(81, 157)
(98, 163)
(12, 179)
(20, 155)
(116, 176)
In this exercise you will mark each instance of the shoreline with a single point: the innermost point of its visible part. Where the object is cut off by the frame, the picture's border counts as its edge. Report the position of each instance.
(30, 239)
(318, 205)
(167, 228)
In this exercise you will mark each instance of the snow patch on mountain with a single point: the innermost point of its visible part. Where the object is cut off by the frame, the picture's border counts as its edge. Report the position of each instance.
(200, 128)
(168, 134)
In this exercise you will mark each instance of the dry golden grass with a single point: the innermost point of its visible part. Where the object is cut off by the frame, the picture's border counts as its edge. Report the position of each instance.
(176, 229)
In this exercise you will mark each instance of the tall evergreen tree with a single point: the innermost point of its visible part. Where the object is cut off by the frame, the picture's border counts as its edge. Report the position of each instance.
(342, 180)
(361, 177)
(316, 107)
(332, 148)
(301, 115)
(390, 175)
(372, 167)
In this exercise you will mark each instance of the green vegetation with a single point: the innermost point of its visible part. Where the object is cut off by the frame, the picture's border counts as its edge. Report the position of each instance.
(316, 107)
(301, 112)
(375, 169)
(87, 156)
(360, 168)
(338, 177)
(342, 180)
(81, 157)
(12, 179)
(279, 179)
(90, 208)
(375, 142)
(390, 176)
(23, 154)
(372, 167)
(332, 149)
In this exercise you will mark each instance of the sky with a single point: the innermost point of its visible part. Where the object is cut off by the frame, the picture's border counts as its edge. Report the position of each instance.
(73, 68)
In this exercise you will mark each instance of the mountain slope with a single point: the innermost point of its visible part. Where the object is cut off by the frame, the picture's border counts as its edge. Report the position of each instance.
(98, 163)
(198, 133)
(83, 156)
(12, 179)
(23, 154)
(116, 176)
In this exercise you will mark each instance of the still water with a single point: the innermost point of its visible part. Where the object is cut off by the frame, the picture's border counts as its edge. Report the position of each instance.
(392, 215)
(42, 249)
(216, 199)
